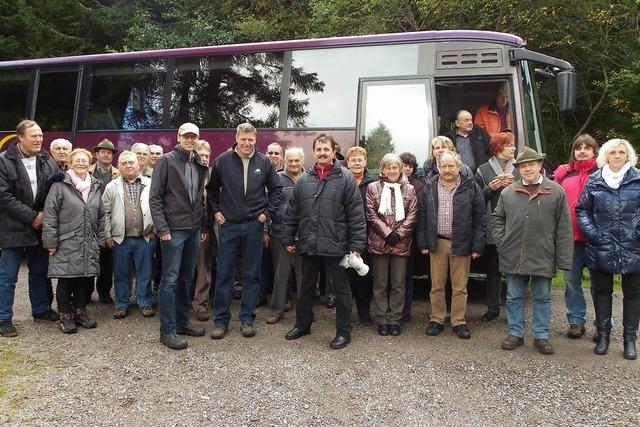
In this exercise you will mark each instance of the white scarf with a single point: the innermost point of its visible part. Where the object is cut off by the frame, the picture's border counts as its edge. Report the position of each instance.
(613, 179)
(385, 201)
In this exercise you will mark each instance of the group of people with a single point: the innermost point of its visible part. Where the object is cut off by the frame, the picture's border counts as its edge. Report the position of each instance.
(262, 218)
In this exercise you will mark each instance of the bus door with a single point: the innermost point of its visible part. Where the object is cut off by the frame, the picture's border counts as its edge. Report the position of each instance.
(55, 98)
(395, 115)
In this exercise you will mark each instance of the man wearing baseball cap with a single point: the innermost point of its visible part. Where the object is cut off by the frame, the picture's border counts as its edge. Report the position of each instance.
(177, 209)
(534, 237)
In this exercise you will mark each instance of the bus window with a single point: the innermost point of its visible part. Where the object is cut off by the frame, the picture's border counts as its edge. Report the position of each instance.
(222, 91)
(452, 96)
(14, 87)
(126, 95)
(324, 82)
(56, 100)
(395, 116)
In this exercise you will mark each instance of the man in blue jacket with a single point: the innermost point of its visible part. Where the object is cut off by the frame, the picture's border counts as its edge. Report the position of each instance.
(243, 194)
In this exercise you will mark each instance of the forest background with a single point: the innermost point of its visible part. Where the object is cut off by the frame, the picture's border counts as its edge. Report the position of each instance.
(600, 38)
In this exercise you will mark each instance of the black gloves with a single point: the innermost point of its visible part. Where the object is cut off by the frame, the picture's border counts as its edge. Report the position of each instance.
(392, 239)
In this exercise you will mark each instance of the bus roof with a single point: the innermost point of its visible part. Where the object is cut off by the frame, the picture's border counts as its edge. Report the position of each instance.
(421, 36)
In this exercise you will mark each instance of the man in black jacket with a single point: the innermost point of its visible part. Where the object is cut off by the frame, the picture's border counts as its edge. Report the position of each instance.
(471, 142)
(177, 208)
(243, 194)
(324, 221)
(451, 228)
(24, 170)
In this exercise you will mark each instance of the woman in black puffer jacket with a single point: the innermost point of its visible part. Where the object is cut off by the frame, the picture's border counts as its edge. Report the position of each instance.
(608, 215)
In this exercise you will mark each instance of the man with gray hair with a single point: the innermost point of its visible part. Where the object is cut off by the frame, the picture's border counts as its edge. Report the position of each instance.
(283, 260)
(143, 153)
(471, 142)
(155, 151)
(130, 234)
(243, 194)
(60, 149)
(451, 229)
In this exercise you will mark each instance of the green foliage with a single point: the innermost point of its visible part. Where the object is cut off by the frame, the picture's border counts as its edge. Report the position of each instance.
(377, 142)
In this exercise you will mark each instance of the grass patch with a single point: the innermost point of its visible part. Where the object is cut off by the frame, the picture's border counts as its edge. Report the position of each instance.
(558, 281)
(11, 365)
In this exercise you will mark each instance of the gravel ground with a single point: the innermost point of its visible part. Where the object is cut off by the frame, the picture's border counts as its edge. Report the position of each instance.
(119, 374)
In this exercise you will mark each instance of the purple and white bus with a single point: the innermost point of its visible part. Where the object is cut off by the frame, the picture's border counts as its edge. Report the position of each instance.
(405, 87)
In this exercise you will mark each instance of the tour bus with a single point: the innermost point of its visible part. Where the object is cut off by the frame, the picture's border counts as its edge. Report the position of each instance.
(398, 90)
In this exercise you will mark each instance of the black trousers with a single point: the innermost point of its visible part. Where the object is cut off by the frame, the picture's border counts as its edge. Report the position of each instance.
(362, 288)
(494, 278)
(311, 267)
(104, 282)
(72, 293)
(603, 288)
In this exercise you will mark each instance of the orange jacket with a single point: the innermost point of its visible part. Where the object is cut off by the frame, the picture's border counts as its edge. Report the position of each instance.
(489, 120)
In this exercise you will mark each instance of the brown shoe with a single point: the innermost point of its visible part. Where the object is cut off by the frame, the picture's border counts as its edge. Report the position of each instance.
(148, 311)
(247, 330)
(218, 332)
(512, 342)
(272, 319)
(120, 313)
(289, 304)
(575, 331)
(543, 346)
(201, 315)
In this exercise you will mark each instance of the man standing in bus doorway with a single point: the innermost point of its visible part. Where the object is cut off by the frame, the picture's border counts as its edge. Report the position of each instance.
(573, 177)
(532, 230)
(177, 209)
(471, 142)
(325, 220)
(24, 169)
(495, 117)
(105, 172)
(155, 151)
(143, 153)
(243, 194)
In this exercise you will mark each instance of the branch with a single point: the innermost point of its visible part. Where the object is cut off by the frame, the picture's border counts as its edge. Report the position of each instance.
(596, 107)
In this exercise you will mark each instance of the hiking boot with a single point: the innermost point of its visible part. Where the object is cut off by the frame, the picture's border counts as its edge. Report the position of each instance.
(201, 315)
(462, 331)
(148, 311)
(543, 346)
(434, 329)
(120, 313)
(218, 332)
(247, 330)
(7, 329)
(272, 319)
(575, 331)
(512, 342)
(67, 325)
(47, 316)
(83, 320)
(190, 330)
(173, 341)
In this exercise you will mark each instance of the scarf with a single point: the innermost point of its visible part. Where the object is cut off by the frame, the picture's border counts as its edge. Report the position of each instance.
(83, 186)
(385, 201)
(613, 179)
(496, 165)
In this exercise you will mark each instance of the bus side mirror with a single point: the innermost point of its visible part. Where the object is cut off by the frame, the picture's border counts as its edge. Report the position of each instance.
(566, 90)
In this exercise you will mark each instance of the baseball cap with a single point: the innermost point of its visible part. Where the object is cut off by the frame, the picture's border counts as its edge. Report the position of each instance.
(188, 128)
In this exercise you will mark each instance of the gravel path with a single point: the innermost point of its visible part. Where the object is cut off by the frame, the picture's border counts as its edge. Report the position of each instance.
(119, 374)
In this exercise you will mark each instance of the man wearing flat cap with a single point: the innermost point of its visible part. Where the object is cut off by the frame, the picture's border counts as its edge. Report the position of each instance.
(177, 210)
(104, 171)
(534, 237)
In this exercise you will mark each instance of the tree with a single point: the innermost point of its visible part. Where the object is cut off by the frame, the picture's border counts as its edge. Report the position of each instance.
(377, 142)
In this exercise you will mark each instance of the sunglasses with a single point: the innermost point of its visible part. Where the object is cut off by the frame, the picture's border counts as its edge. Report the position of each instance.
(273, 152)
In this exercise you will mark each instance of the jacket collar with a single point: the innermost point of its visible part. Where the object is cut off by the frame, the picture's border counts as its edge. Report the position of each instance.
(335, 169)
(12, 153)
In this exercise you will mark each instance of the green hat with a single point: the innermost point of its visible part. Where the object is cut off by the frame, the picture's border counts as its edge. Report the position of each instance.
(105, 144)
(528, 155)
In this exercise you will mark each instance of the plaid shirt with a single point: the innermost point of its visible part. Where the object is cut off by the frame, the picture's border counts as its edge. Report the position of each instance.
(445, 208)
(133, 189)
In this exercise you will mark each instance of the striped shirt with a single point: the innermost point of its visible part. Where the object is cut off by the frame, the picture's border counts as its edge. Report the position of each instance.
(445, 208)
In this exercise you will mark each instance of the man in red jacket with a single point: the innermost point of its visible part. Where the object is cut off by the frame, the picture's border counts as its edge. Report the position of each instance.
(573, 177)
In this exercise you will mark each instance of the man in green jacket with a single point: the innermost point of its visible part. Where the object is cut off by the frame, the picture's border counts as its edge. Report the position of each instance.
(533, 233)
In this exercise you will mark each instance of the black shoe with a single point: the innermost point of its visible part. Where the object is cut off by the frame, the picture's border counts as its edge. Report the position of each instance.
(602, 345)
(434, 328)
(296, 333)
(339, 342)
(173, 341)
(394, 330)
(47, 316)
(489, 316)
(462, 331)
(406, 317)
(331, 302)
(7, 329)
(383, 329)
(630, 350)
(190, 330)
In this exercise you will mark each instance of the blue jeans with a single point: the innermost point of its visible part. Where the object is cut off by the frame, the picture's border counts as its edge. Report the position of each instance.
(179, 257)
(573, 295)
(133, 250)
(238, 239)
(38, 262)
(516, 291)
